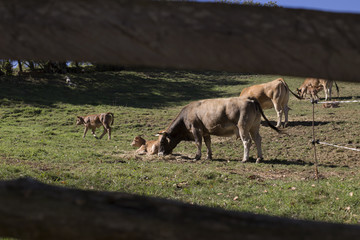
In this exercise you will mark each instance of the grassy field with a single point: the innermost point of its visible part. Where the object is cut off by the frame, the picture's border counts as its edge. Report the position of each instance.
(39, 139)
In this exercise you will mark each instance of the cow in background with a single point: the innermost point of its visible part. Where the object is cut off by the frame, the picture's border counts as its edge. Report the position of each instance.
(319, 84)
(221, 117)
(272, 94)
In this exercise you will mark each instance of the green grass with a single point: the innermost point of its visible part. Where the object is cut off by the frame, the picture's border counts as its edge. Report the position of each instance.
(39, 139)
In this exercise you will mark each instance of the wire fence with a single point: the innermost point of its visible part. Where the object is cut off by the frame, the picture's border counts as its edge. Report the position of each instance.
(314, 141)
(348, 101)
(338, 146)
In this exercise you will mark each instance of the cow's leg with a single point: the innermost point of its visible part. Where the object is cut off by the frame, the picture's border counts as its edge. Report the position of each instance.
(109, 133)
(245, 138)
(286, 113)
(329, 93)
(93, 132)
(255, 135)
(107, 129)
(198, 142)
(141, 150)
(104, 132)
(279, 112)
(85, 131)
(207, 140)
(326, 94)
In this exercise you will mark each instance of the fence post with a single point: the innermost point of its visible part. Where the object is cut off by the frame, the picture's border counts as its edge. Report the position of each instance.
(313, 101)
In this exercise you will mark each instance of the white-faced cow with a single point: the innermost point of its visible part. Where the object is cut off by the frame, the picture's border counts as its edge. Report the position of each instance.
(221, 117)
(319, 84)
(272, 94)
(97, 120)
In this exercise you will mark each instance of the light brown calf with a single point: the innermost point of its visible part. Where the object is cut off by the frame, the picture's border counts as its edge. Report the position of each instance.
(97, 120)
(312, 91)
(145, 147)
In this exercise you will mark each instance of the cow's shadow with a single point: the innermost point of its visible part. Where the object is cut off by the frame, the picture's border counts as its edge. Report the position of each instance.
(299, 162)
(274, 161)
(299, 123)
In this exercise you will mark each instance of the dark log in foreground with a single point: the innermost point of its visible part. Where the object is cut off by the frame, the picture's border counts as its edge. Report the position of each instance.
(186, 35)
(32, 210)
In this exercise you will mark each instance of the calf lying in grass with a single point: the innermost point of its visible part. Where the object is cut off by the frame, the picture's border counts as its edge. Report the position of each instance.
(145, 147)
(97, 120)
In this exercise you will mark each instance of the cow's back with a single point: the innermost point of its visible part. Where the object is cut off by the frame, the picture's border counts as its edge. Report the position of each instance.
(93, 120)
(221, 116)
(316, 82)
(266, 93)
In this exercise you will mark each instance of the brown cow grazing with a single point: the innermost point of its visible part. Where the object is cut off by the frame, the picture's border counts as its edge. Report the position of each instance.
(272, 94)
(97, 120)
(150, 147)
(221, 117)
(319, 84)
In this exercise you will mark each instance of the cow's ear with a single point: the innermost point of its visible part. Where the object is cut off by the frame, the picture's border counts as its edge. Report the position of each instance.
(161, 133)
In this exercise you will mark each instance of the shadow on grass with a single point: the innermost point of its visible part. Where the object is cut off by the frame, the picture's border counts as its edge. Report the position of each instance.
(143, 89)
(307, 123)
(298, 162)
(298, 123)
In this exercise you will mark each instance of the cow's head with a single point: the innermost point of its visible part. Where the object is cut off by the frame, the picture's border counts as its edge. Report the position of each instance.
(80, 120)
(164, 143)
(138, 141)
(302, 91)
(299, 92)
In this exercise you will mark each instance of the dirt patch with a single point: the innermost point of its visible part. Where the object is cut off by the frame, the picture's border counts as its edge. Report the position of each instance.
(32, 164)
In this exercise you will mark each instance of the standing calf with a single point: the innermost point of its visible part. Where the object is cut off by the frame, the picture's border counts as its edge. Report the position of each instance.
(97, 120)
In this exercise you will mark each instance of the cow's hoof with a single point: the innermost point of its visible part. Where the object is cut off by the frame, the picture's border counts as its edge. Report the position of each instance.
(259, 160)
(244, 161)
(197, 157)
(209, 158)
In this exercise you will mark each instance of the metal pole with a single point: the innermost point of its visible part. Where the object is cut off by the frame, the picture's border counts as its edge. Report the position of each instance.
(314, 141)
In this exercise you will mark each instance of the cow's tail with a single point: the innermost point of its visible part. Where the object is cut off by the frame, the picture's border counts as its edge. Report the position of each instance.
(258, 108)
(337, 89)
(112, 117)
(297, 96)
